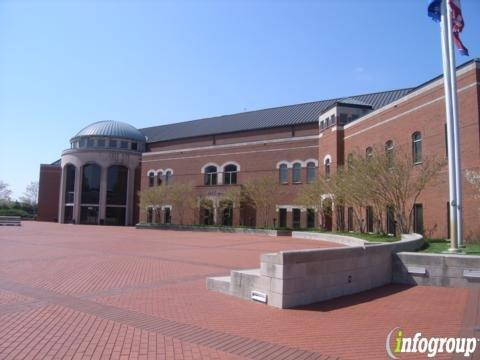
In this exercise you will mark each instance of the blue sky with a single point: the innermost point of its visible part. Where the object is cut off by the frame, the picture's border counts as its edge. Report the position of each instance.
(65, 64)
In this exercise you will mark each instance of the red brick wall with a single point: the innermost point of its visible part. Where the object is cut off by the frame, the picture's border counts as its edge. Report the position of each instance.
(426, 113)
(49, 192)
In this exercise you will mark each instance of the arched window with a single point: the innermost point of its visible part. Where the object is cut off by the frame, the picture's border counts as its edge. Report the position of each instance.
(417, 147)
(327, 168)
(230, 174)
(369, 153)
(311, 172)
(90, 194)
(91, 184)
(390, 153)
(297, 173)
(151, 178)
(283, 173)
(117, 177)
(168, 177)
(210, 177)
(117, 181)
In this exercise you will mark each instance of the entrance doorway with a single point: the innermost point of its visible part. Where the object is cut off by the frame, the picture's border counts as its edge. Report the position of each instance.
(206, 212)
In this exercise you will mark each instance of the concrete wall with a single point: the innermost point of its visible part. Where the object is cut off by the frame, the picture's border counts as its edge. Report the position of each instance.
(301, 277)
(437, 270)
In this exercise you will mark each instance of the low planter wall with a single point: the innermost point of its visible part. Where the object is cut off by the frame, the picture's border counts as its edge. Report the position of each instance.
(436, 269)
(302, 277)
(339, 239)
(224, 229)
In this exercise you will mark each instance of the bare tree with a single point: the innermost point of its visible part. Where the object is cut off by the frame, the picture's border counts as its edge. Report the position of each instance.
(152, 197)
(30, 195)
(263, 193)
(398, 186)
(182, 198)
(5, 192)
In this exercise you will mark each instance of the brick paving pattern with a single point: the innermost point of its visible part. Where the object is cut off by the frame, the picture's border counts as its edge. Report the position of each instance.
(89, 292)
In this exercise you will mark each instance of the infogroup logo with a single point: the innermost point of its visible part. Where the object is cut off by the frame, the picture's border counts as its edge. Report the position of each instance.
(429, 346)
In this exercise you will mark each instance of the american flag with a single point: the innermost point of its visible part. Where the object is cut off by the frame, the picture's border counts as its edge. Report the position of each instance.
(435, 12)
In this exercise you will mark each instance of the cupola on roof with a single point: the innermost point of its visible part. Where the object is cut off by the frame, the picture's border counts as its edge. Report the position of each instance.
(111, 128)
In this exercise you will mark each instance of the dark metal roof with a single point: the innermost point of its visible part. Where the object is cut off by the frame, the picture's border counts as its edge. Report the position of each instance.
(111, 128)
(263, 119)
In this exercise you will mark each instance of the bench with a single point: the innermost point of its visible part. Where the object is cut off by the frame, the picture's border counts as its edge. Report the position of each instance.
(10, 220)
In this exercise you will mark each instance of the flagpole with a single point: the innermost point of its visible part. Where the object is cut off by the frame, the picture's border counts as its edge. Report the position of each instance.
(456, 131)
(446, 50)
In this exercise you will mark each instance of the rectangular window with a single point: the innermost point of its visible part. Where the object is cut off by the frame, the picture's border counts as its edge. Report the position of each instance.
(101, 143)
(296, 218)
(340, 217)
(282, 214)
(90, 143)
(83, 143)
(167, 216)
(134, 146)
(369, 219)
(310, 218)
(124, 144)
(350, 219)
(391, 228)
(112, 143)
(418, 218)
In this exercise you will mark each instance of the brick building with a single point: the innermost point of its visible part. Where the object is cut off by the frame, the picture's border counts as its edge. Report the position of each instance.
(294, 144)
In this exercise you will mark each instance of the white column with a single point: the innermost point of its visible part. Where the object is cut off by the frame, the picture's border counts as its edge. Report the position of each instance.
(77, 198)
(61, 201)
(102, 210)
(130, 196)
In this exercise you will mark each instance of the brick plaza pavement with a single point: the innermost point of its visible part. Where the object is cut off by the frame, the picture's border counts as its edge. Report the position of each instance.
(90, 292)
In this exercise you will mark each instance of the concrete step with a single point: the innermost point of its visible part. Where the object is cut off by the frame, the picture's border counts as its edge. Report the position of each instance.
(219, 284)
(243, 282)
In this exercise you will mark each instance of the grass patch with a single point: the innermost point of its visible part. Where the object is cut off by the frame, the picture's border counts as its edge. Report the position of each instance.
(438, 246)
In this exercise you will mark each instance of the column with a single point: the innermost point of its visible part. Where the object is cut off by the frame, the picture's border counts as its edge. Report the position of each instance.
(130, 196)
(77, 197)
(102, 205)
(61, 201)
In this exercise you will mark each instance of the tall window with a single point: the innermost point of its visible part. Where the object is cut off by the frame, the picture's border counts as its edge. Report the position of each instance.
(297, 173)
(210, 177)
(91, 184)
(117, 180)
(117, 177)
(283, 173)
(311, 172)
(230, 174)
(389, 152)
(369, 153)
(168, 177)
(327, 168)
(151, 178)
(159, 178)
(418, 218)
(417, 147)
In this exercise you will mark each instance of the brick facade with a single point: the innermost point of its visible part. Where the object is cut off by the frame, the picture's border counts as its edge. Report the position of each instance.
(356, 127)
